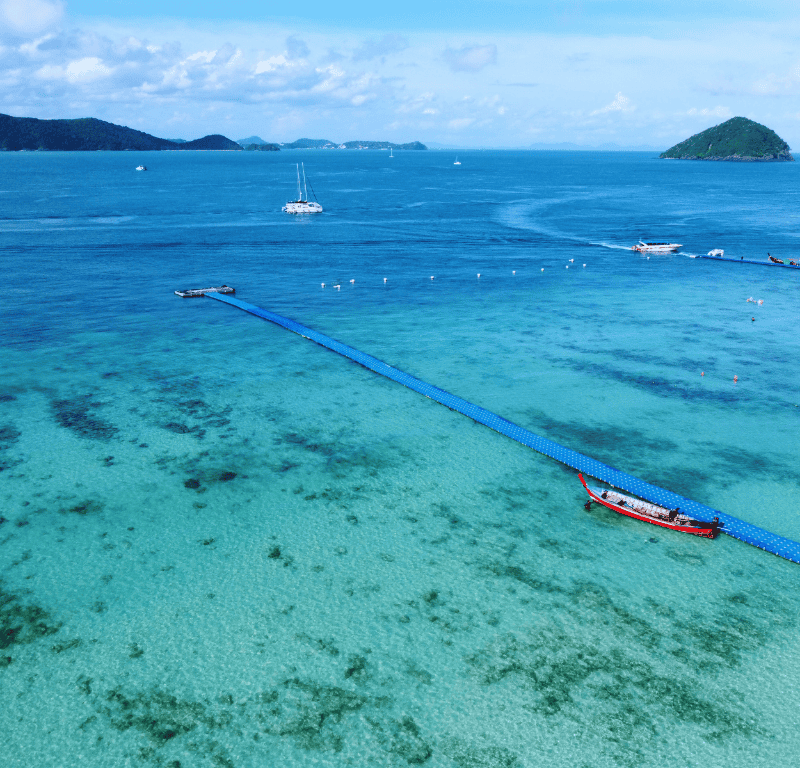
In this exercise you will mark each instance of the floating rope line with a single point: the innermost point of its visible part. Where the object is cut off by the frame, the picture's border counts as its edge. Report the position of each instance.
(738, 529)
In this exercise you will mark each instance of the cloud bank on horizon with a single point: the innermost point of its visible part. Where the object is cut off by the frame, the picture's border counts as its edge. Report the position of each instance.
(284, 78)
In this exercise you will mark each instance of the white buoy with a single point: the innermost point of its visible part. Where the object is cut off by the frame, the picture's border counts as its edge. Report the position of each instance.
(542, 269)
(513, 271)
(384, 279)
(648, 258)
(567, 266)
(479, 274)
(584, 265)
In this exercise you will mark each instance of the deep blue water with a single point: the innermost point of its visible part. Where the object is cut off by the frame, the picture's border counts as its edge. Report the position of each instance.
(225, 545)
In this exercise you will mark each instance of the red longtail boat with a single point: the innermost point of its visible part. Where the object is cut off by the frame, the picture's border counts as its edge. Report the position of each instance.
(650, 513)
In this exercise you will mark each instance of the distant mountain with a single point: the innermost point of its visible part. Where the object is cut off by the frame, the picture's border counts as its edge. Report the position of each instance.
(325, 144)
(310, 144)
(735, 139)
(382, 145)
(89, 134)
(214, 141)
(260, 147)
(250, 140)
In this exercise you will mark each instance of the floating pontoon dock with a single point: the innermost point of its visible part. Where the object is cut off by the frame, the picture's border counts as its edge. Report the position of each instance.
(738, 529)
(745, 261)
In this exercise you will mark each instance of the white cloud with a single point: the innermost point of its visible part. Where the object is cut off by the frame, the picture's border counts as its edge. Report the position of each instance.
(26, 18)
(269, 65)
(620, 104)
(470, 58)
(723, 112)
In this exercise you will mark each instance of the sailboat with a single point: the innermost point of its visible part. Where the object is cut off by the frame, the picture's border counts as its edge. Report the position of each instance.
(457, 162)
(301, 205)
(390, 152)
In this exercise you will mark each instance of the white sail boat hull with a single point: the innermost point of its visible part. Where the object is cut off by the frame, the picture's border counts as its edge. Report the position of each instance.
(302, 206)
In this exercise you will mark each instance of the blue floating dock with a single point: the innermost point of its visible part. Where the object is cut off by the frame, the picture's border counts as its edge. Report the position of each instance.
(738, 529)
(745, 261)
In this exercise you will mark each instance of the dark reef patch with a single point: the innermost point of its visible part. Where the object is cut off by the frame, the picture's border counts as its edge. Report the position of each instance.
(9, 435)
(466, 755)
(88, 507)
(182, 429)
(79, 414)
(22, 623)
(569, 678)
(158, 715)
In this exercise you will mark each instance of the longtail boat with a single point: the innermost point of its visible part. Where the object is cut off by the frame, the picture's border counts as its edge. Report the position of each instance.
(650, 513)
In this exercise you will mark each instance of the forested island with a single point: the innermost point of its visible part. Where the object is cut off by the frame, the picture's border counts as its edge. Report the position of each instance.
(91, 134)
(737, 139)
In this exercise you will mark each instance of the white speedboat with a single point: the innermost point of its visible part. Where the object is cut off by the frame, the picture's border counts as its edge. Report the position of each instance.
(301, 205)
(141, 168)
(656, 247)
(457, 162)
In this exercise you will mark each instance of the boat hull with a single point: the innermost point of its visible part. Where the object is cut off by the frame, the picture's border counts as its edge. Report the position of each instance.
(708, 530)
(657, 247)
(302, 206)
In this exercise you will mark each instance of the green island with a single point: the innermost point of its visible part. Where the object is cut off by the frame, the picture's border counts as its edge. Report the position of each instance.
(90, 134)
(737, 139)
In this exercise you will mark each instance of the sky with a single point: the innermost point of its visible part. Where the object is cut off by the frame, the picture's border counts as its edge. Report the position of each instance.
(455, 72)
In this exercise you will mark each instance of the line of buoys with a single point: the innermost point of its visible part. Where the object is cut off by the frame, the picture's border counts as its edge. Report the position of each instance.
(479, 274)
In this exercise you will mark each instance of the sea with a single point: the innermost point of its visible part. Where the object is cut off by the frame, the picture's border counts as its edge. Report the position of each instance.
(224, 545)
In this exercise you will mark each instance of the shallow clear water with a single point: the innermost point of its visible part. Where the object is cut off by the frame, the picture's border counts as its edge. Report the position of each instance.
(225, 545)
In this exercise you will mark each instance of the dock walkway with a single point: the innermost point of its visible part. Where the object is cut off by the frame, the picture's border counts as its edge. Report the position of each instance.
(733, 526)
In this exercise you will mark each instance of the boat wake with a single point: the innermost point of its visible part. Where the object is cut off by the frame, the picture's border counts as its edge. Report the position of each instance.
(613, 246)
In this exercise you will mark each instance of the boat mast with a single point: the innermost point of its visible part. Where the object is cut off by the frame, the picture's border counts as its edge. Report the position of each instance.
(298, 182)
(304, 182)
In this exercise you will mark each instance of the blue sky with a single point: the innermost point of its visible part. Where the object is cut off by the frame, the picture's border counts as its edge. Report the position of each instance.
(464, 73)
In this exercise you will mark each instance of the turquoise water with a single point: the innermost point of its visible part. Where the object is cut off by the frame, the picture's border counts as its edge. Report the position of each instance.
(225, 545)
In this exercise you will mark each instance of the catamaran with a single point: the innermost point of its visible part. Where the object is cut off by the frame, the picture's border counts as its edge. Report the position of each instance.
(301, 205)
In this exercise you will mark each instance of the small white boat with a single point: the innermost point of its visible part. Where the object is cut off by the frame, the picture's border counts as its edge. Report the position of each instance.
(141, 168)
(656, 247)
(390, 153)
(457, 162)
(717, 252)
(301, 205)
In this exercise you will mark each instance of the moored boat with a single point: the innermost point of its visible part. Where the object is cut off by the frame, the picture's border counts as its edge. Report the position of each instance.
(302, 204)
(650, 513)
(643, 247)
